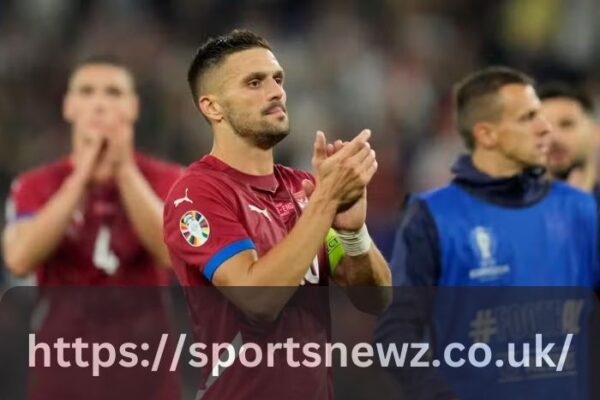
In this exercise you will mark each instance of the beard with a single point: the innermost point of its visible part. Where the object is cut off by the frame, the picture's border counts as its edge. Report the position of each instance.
(564, 172)
(263, 134)
(264, 137)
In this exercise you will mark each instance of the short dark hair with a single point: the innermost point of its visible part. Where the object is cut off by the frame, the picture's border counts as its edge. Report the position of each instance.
(475, 98)
(103, 59)
(214, 50)
(556, 89)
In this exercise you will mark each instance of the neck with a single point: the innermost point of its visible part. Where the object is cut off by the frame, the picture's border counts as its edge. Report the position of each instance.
(238, 153)
(494, 164)
(587, 176)
(591, 175)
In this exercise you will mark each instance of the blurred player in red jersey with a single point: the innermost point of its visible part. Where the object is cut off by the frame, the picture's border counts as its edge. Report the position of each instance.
(236, 219)
(93, 218)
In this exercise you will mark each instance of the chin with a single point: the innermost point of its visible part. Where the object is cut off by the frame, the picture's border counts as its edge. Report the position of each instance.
(558, 169)
(280, 126)
(103, 175)
(269, 140)
(540, 161)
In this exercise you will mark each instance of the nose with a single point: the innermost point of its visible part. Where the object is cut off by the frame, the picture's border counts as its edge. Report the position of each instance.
(275, 91)
(551, 131)
(544, 127)
(100, 104)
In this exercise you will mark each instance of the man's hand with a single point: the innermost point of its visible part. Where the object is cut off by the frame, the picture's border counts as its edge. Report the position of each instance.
(87, 158)
(105, 148)
(120, 151)
(343, 176)
(352, 217)
(363, 265)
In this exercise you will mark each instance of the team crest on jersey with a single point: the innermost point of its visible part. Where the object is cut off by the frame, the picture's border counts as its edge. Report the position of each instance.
(194, 228)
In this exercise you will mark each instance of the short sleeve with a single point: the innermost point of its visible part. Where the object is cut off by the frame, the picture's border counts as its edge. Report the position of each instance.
(24, 200)
(202, 226)
(162, 177)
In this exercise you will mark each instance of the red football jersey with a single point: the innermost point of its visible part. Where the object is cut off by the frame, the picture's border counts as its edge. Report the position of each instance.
(100, 246)
(211, 214)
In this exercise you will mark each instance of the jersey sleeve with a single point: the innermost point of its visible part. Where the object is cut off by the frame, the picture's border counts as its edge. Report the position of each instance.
(24, 200)
(202, 226)
(163, 178)
(416, 255)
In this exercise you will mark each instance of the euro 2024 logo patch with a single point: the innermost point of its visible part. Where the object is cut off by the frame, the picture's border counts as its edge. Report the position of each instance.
(484, 244)
(194, 228)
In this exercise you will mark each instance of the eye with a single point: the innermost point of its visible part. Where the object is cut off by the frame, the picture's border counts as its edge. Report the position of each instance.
(530, 116)
(114, 92)
(279, 80)
(254, 83)
(566, 124)
(85, 90)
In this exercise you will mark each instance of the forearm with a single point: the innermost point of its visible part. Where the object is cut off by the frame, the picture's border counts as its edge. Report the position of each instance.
(274, 277)
(26, 244)
(367, 278)
(144, 210)
(368, 269)
(287, 262)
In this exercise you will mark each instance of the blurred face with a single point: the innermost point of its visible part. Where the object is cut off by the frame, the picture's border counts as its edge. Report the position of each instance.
(252, 97)
(100, 96)
(572, 135)
(522, 135)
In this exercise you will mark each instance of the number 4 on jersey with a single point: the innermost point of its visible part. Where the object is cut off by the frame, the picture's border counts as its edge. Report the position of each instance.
(104, 258)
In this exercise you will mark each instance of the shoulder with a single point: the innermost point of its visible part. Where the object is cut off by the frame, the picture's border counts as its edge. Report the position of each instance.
(437, 193)
(293, 175)
(153, 166)
(160, 174)
(564, 189)
(203, 176)
(44, 176)
(416, 214)
(201, 181)
(443, 200)
(572, 194)
(573, 198)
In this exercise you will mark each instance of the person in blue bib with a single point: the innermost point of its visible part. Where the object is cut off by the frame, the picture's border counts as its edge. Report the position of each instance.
(510, 239)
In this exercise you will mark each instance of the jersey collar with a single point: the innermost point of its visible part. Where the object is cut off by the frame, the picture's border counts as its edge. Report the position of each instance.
(266, 183)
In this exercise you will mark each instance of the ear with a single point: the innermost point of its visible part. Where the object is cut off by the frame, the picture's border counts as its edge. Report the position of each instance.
(210, 108)
(485, 134)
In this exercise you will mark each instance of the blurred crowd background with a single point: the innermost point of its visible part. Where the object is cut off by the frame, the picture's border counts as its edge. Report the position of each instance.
(388, 65)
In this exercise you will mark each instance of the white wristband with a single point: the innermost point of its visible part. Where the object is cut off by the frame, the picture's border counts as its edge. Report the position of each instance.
(355, 243)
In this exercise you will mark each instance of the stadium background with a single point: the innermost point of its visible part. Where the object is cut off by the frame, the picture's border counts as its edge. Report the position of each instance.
(384, 64)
